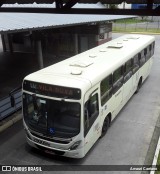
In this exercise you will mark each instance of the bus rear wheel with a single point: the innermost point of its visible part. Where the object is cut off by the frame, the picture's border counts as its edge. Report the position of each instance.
(105, 126)
(139, 85)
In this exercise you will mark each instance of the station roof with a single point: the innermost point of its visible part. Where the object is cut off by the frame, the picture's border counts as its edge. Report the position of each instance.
(16, 22)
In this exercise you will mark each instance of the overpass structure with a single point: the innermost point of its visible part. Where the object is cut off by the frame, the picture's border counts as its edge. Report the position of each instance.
(66, 7)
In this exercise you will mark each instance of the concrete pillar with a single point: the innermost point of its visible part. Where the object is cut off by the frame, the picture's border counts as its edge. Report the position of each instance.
(3, 42)
(39, 54)
(10, 42)
(76, 43)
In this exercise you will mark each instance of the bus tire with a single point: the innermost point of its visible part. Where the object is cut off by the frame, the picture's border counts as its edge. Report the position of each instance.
(105, 126)
(139, 85)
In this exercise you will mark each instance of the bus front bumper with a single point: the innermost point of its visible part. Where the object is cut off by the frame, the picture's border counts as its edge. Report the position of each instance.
(77, 153)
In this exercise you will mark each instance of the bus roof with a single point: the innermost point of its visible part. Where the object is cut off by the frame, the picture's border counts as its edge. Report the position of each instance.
(88, 68)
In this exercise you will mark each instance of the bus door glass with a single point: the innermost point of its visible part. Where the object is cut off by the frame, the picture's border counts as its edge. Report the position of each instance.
(143, 64)
(148, 53)
(127, 87)
(136, 66)
(151, 53)
(91, 121)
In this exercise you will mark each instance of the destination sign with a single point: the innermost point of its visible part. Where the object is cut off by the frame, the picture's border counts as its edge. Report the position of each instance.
(52, 90)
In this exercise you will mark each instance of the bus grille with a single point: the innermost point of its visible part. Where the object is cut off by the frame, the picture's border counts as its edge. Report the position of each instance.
(56, 152)
(50, 139)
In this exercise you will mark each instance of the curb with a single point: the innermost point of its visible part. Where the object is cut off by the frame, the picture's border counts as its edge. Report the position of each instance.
(154, 163)
(10, 122)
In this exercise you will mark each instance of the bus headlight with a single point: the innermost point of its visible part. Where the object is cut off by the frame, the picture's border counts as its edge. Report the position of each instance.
(75, 145)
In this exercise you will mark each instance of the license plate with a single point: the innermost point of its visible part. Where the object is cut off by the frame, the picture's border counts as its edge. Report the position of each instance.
(49, 152)
(41, 142)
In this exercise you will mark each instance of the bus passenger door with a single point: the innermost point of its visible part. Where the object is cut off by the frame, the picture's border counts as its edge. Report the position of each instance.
(135, 77)
(91, 121)
(117, 90)
(127, 87)
(118, 101)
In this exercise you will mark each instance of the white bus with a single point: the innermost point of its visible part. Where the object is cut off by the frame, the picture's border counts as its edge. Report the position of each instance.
(68, 106)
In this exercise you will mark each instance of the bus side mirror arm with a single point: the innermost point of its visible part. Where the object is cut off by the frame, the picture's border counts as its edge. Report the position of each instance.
(12, 100)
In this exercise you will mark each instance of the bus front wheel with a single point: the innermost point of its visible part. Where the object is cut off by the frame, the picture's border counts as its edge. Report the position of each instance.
(105, 126)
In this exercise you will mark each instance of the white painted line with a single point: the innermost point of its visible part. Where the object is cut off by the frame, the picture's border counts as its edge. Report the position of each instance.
(156, 156)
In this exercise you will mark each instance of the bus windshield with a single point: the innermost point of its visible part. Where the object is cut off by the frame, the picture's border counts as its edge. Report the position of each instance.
(52, 118)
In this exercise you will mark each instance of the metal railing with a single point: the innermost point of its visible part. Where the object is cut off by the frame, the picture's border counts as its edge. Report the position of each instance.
(152, 26)
(11, 103)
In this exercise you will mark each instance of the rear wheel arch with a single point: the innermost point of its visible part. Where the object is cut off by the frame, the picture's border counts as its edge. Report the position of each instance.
(139, 84)
(106, 124)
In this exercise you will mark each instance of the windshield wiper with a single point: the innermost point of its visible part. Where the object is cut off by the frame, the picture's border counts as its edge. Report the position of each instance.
(37, 115)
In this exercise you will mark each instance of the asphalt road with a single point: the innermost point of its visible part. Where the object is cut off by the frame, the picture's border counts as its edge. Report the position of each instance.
(131, 139)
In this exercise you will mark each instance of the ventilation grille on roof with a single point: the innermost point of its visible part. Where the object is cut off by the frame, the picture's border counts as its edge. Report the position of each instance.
(133, 37)
(81, 64)
(125, 39)
(92, 55)
(116, 45)
(76, 72)
(102, 50)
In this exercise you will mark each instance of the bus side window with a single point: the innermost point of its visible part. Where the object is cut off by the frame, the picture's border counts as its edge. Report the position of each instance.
(91, 112)
(117, 79)
(128, 70)
(106, 89)
(135, 63)
(142, 58)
